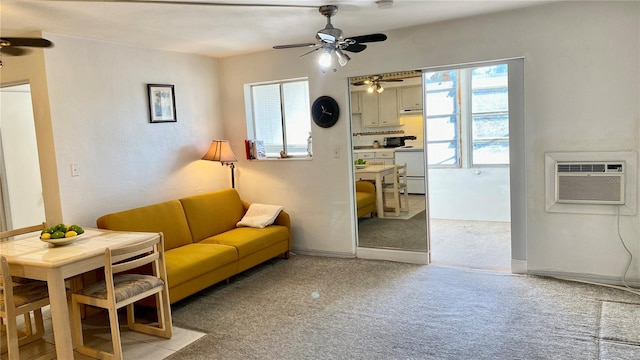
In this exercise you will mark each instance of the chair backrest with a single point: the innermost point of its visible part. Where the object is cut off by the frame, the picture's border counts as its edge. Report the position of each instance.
(132, 256)
(6, 286)
(401, 173)
(24, 230)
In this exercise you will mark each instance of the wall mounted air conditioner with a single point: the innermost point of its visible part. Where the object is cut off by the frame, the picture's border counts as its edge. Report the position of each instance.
(590, 182)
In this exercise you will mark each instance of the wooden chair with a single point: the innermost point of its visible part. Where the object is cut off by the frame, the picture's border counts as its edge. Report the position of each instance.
(21, 300)
(124, 289)
(398, 188)
(31, 333)
(20, 231)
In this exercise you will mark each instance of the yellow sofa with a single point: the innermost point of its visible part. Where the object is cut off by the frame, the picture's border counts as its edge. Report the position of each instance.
(203, 246)
(365, 198)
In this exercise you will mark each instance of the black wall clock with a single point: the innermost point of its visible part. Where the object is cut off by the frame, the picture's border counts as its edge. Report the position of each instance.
(325, 111)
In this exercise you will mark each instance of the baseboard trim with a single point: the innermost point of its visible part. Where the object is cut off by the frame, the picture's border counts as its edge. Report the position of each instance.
(411, 257)
(518, 266)
(588, 278)
(324, 253)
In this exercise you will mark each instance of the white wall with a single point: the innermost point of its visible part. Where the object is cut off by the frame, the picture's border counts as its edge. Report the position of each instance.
(469, 194)
(581, 90)
(100, 121)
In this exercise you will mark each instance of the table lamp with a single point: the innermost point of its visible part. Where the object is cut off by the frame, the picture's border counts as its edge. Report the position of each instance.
(220, 151)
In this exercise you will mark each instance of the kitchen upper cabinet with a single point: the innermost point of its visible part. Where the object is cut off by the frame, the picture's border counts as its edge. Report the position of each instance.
(369, 110)
(380, 109)
(410, 99)
(356, 102)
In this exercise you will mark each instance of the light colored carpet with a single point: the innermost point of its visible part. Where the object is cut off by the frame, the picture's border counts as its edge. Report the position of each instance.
(479, 244)
(408, 234)
(329, 308)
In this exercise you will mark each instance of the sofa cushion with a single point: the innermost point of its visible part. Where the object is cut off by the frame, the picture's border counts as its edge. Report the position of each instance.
(249, 240)
(364, 198)
(190, 261)
(212, 213)
(167, 217)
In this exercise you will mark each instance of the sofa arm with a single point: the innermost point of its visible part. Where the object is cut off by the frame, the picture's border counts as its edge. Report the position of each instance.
(365, 186)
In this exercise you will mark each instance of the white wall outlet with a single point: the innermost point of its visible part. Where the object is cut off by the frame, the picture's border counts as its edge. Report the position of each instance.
(336, 151)
(75, 170)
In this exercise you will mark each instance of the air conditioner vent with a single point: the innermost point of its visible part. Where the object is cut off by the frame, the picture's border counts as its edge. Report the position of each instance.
(590, 182)
(582, 167)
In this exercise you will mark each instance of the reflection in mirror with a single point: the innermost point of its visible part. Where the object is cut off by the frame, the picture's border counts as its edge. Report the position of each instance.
(388, 150)
(21, 197)
(465, 131)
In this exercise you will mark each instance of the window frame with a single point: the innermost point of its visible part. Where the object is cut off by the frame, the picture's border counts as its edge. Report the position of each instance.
(465, 117)
(251, 116)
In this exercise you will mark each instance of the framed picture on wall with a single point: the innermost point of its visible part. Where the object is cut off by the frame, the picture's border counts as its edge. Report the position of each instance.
(162, 103)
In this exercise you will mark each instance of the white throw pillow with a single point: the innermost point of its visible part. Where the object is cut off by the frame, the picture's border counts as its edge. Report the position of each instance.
(260, 215)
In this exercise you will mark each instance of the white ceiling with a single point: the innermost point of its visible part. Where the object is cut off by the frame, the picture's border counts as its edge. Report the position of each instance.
(221, 31)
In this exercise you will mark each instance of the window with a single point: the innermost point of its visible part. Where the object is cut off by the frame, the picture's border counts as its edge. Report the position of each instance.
(443, 118)
(490, 115)
(279, 115)
(468, 104)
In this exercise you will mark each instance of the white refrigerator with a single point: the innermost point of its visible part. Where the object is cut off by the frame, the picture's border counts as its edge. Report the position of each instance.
(414, 158)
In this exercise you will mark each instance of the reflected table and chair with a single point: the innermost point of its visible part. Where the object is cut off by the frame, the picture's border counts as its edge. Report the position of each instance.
(31, 258)
(398, 188)
(377, 173)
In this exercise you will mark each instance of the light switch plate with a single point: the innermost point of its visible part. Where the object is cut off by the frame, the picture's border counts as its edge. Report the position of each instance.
(75, 170)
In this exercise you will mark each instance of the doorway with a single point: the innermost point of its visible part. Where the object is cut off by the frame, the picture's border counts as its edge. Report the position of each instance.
(467, 137)
(477, 152)
(21, 196)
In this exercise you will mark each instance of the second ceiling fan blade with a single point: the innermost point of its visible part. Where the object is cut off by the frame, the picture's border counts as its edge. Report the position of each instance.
(294, 46)
(23, 41)
(309, 52)
(13, 51)
(199, 3)
(356, 48)
(369, 38)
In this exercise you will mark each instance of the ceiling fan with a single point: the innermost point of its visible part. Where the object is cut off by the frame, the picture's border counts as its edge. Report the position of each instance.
(374, 83)
(331, 40)
(15, 46)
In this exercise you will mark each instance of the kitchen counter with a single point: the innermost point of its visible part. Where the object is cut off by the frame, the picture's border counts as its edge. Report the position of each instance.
(410, 149)
(361, 149)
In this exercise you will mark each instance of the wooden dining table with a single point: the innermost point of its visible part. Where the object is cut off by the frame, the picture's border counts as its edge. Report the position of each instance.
(32, 258)
(377, 173)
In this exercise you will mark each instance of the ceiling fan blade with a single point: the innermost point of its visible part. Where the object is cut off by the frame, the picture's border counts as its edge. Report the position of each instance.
(294, 46)
(201, 3)
(356, 48)
(13, 51)
(392, 80)
(368, 38)
(23, 41)
(309, 52)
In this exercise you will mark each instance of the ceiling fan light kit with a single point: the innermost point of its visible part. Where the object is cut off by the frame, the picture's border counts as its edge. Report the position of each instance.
(332, 41)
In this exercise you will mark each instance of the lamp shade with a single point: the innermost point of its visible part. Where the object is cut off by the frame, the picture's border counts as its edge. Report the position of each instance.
(220, 150)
